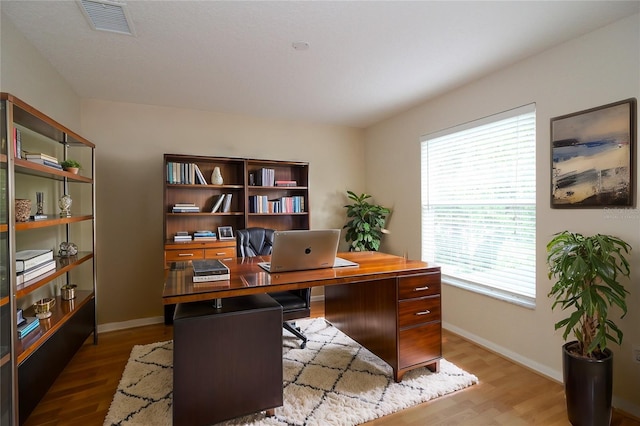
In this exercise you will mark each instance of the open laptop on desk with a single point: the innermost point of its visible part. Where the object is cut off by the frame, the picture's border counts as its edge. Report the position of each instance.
(301, 250)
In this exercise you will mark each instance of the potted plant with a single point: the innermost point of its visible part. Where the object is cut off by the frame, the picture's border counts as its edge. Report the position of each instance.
(588, 270)
(366, 224)
(71, 166)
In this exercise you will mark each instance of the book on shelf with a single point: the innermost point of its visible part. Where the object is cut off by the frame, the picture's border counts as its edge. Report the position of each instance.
(19, 317)
(48, 163)
(265, 177)
(286, 183)
(26, 259)
(208, 267)
(184, 173)
(204, 236)
(26, 328)
(199, 175)
(40, 156)
(36, 271)
(182, 237)
(17, 142)
(227, 203)
(185, 208)
(38, 217)
(204, 233)
(217, 203)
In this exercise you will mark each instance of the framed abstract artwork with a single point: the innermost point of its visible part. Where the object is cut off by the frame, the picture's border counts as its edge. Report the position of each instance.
(592, 157)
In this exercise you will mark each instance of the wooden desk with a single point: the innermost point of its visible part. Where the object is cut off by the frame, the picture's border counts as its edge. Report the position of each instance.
(388, 304)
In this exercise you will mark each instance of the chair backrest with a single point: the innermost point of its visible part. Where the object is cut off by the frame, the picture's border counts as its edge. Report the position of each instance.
(254, 241)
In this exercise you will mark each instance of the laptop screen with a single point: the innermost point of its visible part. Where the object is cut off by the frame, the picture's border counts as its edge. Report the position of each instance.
(298, 250)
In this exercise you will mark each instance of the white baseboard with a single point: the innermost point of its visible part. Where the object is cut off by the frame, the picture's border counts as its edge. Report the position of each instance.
(512, 356)
(140, 322)
(555, 375)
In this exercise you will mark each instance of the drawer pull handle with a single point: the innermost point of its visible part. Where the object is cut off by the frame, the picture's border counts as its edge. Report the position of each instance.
(185, 254)
(220, 253)
(427, 312)
(426, 287)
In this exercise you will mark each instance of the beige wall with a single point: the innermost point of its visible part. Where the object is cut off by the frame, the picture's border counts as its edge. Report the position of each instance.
(593, 70)
(26, 74)
(131, 141)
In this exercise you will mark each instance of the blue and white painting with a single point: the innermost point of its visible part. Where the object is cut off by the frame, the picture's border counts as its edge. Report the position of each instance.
(591, 164)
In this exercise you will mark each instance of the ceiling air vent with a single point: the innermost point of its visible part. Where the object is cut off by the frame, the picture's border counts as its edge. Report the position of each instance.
(105, 15)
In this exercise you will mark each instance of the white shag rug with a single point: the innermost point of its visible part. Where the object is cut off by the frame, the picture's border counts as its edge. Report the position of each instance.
(333, 381)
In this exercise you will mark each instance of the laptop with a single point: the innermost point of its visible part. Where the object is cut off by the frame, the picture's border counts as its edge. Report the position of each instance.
(300, 250)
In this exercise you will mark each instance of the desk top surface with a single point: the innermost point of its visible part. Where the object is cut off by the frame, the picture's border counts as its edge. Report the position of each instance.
(249, 278)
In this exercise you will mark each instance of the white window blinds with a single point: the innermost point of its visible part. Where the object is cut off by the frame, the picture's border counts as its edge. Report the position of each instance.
(479, 204)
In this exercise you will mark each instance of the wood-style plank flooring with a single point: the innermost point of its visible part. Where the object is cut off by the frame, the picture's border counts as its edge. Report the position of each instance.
(507, 394)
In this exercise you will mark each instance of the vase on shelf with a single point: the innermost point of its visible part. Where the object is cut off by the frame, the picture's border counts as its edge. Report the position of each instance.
(65, 206)
(216, 176)
(23, 209)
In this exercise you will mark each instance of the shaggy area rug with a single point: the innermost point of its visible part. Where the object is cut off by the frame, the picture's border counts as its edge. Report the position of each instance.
(333, 381)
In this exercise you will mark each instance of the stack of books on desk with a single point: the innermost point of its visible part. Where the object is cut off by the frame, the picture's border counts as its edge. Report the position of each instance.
(33, 263)
(208, 270)
(204, 235)
(30, 324)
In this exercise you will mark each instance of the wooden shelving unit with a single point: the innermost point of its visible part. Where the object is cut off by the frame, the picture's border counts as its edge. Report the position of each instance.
(31, 364)
(236, 173)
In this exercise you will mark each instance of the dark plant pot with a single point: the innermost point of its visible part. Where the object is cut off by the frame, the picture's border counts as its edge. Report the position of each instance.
(588, 385)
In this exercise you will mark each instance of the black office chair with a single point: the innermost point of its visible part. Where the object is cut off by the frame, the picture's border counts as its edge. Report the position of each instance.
(296, 304)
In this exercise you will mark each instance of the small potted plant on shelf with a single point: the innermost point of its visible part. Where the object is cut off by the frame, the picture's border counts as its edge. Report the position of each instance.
(587, 270)
(366, 223)
(71, 166)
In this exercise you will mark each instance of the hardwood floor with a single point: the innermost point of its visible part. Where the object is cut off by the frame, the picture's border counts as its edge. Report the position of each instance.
(507, 394)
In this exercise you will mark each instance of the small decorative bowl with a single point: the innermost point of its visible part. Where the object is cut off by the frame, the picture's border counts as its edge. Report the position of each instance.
(43, 307)
(68, 291)
(23, 209)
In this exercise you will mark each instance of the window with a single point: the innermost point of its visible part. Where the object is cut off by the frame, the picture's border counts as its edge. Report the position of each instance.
(479, 205)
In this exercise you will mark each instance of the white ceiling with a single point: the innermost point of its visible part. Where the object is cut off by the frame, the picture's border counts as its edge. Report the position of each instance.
(367, 59)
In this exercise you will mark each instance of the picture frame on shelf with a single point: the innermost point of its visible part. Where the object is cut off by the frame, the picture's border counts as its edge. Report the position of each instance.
(592, 157)
(225, 233)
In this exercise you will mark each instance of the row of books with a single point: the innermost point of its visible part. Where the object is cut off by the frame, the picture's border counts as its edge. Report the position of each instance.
(207, 270)
(185, 174)
(262, 204)
(30, 264)
(222, 204)
(265, 177)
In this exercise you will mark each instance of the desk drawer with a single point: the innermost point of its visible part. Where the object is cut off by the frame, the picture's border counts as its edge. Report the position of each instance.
(420, 344)
(220, 253)
(418, 311)
(413, 286)
(180, 255)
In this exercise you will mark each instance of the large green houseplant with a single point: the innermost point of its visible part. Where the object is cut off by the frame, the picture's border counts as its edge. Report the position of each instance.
(588, 270)
(366, 223)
